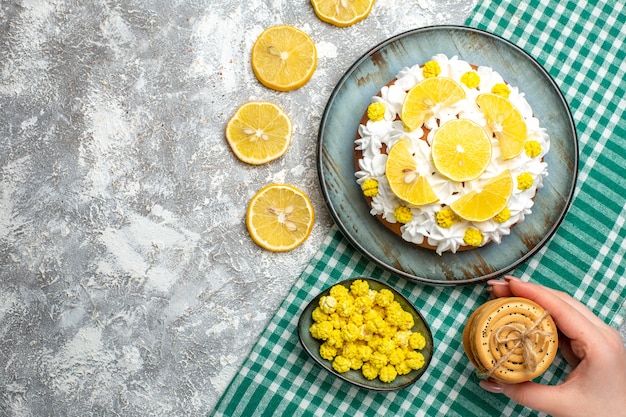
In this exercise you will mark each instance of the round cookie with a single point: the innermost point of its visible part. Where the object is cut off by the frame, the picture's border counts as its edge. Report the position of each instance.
(468, 331)
(510, 339)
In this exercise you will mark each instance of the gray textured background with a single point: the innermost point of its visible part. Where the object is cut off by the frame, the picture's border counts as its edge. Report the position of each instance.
(128, 283)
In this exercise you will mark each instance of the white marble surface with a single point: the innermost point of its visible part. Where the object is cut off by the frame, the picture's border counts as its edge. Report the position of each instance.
(128, 283)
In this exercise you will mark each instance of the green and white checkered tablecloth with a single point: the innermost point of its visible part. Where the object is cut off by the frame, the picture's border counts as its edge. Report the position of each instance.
(582, 45)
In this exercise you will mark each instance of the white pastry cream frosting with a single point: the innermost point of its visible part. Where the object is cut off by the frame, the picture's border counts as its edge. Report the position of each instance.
(423, 227)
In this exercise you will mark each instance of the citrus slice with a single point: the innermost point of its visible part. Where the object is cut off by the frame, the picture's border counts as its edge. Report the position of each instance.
(506, 122)
(427, 97)
(404, 179)
(279, 217)
(481, 205)
(342, 13)
(259, 132)
(283, 58)
(461, 150)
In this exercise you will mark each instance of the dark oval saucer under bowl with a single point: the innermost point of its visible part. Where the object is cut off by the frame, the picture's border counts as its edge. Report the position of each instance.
(355, 377)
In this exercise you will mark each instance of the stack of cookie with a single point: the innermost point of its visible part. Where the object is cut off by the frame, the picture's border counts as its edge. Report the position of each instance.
(510, 339)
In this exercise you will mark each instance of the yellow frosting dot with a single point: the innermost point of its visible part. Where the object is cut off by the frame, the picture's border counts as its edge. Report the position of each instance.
(445, 217)
(473, 237)
(471, 79)
(370, 187)
(403, 214)
(376, 112)
(431, 69)
(501, 89)
(524, 181)
(532, 148)
(503, 216)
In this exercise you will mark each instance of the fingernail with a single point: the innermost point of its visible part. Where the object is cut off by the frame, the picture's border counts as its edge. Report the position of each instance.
(493, 282)
(511, 278)
(491, 386)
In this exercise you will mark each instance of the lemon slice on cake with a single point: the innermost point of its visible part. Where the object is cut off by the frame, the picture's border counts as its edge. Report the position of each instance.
(404, 178)
(259, 132)
(427, 97)
(506, 122)
(483, 204)
(279, 217)
(342, 13)
(284, 58)
(461, 150)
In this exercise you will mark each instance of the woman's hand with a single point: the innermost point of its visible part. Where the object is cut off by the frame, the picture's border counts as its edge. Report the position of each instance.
(597, 385)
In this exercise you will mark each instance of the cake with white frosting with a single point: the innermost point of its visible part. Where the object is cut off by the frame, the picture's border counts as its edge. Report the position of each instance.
(432, 224)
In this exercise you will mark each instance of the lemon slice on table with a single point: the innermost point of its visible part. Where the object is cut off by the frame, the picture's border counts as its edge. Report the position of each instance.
(279, 217)
(403, 177)
(506, 122)
(427, 97)
(259, 132)
(342, 13)
(284, 58)
(461, 150)
(482, 205)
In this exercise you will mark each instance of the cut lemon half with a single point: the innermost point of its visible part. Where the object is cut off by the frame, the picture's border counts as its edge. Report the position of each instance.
(283, 58)
(506, 122)
(259, 132)
(403, 177)
(342, 13)
(427, 97)
(461, 150)
(482, 205)
(279, 217)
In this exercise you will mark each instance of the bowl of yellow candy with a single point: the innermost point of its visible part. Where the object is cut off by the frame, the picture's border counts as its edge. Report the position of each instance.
(366, 333)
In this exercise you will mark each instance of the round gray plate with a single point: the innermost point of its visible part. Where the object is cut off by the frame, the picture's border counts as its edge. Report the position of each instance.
(335, 157)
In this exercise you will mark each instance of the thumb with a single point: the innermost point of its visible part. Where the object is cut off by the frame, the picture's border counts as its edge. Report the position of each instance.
(530, 394)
